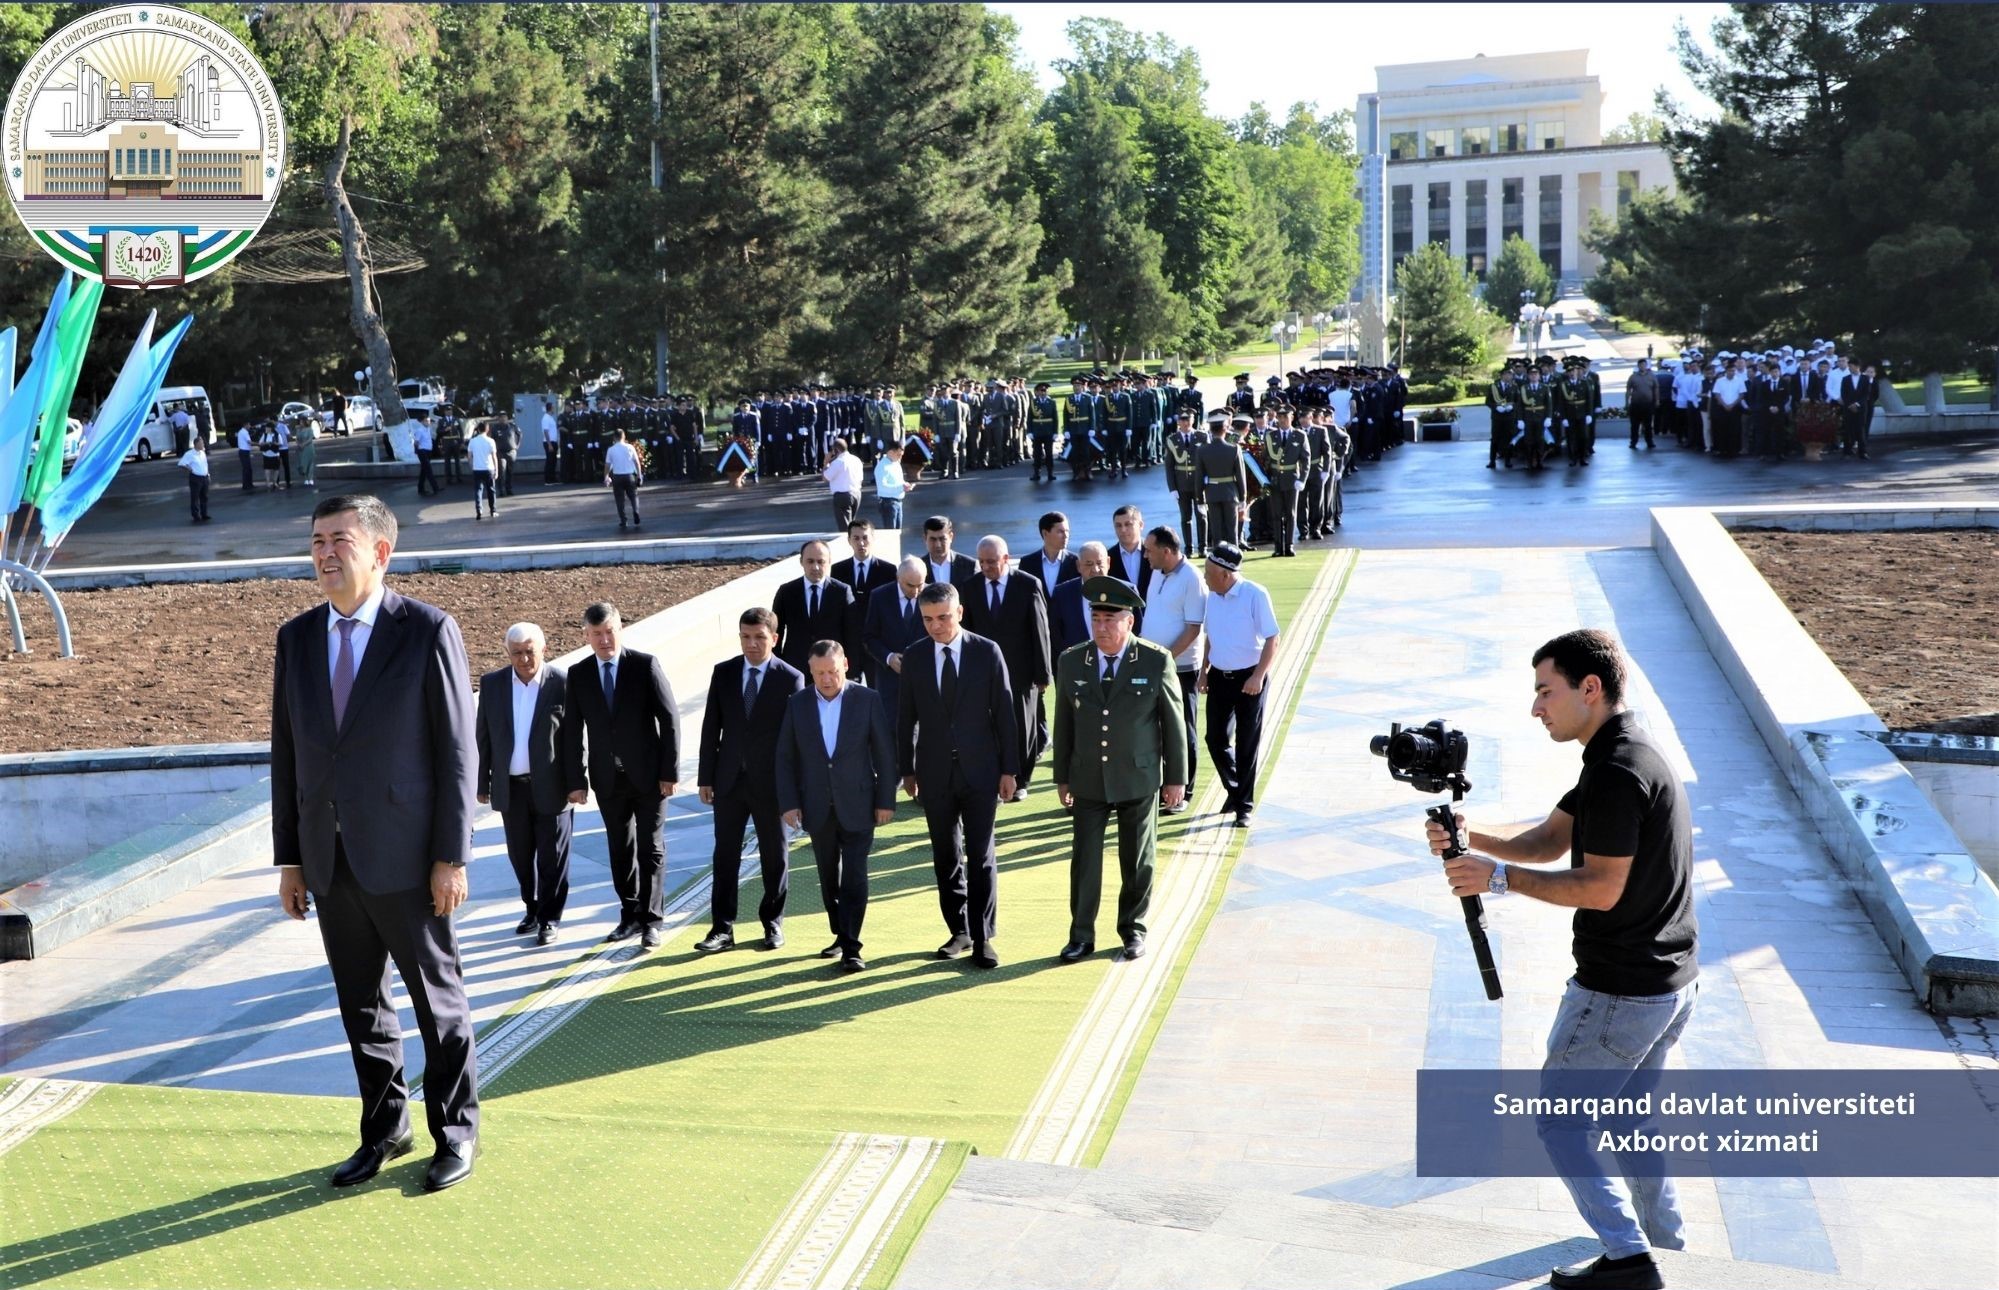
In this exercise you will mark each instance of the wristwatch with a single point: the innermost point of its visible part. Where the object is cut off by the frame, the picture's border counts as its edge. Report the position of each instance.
(1496, 884)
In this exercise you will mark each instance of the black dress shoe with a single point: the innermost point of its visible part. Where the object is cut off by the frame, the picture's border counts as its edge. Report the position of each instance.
(715, 941)
(831, 951)
(1635, 1272)
(1077, 951)
(1242, 819)
(650, 937)
(549, 934)
(955, 948)
(526, 925)
(773, 937)
(368, 1161)
(1134, 947)
(985, 956)
(450, 1166)
(853, 963)
(624, 931)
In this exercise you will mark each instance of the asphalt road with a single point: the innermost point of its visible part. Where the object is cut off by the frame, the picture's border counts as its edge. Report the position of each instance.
(1421, 496)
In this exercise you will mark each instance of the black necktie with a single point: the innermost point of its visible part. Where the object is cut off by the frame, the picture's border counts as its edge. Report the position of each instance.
(993, 595)
(610, 684)
(750, 689)
(811, 600)
(860, 573)
(947, 686)
(1110, 669)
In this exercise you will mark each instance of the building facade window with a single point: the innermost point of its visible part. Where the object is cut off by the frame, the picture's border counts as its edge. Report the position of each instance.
(1437, 143)
(1551, 223)
(1627, 188)
(1548, 135)
(1512, 137)
(1401, 222)
(1475, 226)
(1401, 145)
(1475, 264)
(1512, 208)
(1440, 213)
(1475, 140)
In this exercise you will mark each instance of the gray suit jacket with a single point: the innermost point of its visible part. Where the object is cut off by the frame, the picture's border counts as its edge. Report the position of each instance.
(857, 780)
(496, 741)
(396, 777)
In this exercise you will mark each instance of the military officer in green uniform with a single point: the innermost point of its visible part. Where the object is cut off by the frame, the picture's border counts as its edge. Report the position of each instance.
(1286, 458)
(1183, 480)
(1120, 747)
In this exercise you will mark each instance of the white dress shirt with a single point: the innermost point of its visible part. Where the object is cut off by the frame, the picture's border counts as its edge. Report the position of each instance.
(423, 436)
(1130, 564)
(549, 432)
(940, 572)
(1175, 602)
(479, 451)
(364, 627)
(829, 720)
(195, 463)
(525, 694)
(1728, 390)
(843, 474)
(619, 459)
(1239, 621)
(1051, 568)
(243, 443)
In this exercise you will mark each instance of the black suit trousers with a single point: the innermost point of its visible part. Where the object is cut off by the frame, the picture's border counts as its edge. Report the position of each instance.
(363, 934)
(962, 853)
(635, 832)
(538, 849)
(842, 856)
(1190, 698)
(1029, 725)
(1235, 732)
(733, 810)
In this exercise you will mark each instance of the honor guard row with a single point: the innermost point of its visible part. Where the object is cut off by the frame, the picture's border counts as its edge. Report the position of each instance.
(1535, 413)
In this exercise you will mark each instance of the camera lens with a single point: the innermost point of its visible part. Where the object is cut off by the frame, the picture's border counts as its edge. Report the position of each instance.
(1409, 750)
(1378, 745)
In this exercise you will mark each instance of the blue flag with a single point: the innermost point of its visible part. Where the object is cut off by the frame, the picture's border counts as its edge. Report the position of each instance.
(17, 419)
(118, 425)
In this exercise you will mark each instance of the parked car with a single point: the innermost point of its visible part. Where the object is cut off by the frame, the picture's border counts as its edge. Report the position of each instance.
(361, 413)
(156, 437)
(295, 409)
(72, 445)
(422, 387)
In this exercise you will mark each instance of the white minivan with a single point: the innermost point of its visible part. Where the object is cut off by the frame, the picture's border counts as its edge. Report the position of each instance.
(156, 437)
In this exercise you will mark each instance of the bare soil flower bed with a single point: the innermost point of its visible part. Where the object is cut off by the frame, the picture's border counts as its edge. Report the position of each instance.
(189, 663)
(1911, 617)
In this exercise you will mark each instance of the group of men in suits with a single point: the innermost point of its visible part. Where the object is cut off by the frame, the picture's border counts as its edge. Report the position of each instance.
(1754, 401)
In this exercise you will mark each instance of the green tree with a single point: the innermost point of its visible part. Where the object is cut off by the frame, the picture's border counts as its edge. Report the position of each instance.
(1639, 127)
(1450, 334)
(1519, 271)
(936, 233)
(1258, 286)
(1307, 168)
(1097, 235)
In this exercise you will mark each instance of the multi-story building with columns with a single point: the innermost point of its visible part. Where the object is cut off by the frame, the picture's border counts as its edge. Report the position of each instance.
(1471, 151)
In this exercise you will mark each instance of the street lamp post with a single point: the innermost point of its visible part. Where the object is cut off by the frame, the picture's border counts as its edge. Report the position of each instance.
(1319, 321)
(1282, 332)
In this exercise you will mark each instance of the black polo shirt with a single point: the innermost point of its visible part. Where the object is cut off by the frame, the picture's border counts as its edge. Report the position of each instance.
(1629, 802)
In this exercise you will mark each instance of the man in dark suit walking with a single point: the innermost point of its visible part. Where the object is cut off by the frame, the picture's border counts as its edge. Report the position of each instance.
(372, 765)
(1054, 563)
(1068, 612)
(1011, 611)
(957, 750)
(894, 623)
(521, 709)
(1127, 554)
(865, 573)
(739, 726)
(621, 704)
(942, 563)
(811, 608)
(836, 780)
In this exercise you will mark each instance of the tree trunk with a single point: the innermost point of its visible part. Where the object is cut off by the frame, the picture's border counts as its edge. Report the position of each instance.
(367, 323)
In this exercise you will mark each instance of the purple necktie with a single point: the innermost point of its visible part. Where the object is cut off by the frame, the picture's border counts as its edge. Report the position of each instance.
(343, 670)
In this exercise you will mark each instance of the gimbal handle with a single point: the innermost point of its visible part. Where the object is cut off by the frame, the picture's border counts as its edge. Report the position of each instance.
(1474, 907)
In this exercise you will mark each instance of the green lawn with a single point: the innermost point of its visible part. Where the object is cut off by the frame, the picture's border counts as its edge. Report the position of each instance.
(1962, 388)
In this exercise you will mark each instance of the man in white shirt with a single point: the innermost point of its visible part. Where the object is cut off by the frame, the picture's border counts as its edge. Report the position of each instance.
(1236, 660)
(424, 437)
(181, 420)
(521, 775)
(622, 473)
(551, 443)
(195, 462)
(1687, 401)
(1174, 610)
(890, 485)
(246, 449)
(481, 452)
(1726, 415)
(843, 476)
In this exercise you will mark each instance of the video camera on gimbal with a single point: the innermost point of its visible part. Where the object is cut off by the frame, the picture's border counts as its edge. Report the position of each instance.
(1431, 759)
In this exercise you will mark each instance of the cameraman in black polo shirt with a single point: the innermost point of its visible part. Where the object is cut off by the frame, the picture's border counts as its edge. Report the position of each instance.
(1626, 832)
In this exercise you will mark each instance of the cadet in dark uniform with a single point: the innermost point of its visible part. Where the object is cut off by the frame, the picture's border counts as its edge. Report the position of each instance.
(1080, 429)
(1242, 398)
(1312, 511)
(1190, 399)
(1286, 458)
(1224, 480)
(1183, 479)
(1120, 738)
(1041, 430)
(1117, 428)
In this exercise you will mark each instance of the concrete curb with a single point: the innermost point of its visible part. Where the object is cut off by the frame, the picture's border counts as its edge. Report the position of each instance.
(92, 761)
(1936, 911)
(499, 559)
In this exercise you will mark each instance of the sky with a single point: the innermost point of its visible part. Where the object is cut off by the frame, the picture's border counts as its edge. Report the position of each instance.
(1253, 52)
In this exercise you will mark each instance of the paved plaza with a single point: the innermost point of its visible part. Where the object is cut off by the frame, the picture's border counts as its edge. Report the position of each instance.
(1269, 1138)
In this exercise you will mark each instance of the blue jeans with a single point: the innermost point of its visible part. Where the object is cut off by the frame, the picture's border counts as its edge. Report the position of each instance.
(1612, 1032)
(891, 511)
